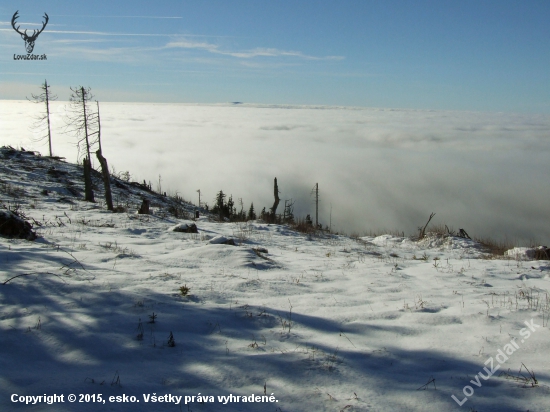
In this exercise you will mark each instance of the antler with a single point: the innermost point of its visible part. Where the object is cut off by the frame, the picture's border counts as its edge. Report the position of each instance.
(43, 25)
(15, 16)
(35, 33)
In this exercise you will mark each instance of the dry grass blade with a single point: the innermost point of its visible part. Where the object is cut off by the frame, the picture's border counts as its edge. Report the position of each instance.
(425, 386)
(527, 381)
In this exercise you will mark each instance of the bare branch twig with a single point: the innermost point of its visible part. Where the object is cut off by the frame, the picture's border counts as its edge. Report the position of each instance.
(33, 273)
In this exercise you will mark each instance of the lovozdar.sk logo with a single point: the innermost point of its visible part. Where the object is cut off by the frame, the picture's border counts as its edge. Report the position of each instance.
(29, 39)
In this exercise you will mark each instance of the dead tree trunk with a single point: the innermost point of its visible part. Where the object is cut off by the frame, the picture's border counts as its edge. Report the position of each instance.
(316, 206)
(144, 209)
(104, 167)
(42, 124)
(106, 180)
(88, 192)
(423, 230)
(48, 115)
(276, 194)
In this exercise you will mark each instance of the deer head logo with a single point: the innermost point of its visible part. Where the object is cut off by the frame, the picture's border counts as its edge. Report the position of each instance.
(29, 40)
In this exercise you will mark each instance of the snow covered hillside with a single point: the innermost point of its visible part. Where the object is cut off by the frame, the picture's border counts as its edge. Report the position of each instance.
(94, 307)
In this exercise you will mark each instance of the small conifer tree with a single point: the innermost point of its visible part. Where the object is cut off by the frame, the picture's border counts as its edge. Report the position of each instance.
(251, 212)
(229, 212)
(171, 341)
(220, 203)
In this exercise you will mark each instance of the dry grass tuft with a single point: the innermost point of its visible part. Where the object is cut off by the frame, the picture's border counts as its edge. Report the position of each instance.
(10, 190)
(495, 247)
(300, 225)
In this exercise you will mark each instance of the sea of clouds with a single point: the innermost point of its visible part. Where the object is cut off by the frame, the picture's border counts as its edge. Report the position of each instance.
(376, 168)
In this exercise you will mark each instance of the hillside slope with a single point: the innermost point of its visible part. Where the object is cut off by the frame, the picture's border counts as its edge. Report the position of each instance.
(321, 323)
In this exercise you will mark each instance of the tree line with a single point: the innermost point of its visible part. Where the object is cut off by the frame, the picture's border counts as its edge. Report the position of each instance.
(84, 121)
(228, 211)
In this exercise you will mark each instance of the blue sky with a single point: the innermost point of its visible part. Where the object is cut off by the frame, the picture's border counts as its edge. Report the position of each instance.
(457, 55)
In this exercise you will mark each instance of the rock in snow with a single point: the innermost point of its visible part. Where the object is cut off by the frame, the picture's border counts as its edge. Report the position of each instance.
(185, 228)
(14, 226)
(221, 240)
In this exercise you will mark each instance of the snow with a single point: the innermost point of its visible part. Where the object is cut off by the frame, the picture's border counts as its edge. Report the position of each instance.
(521, 252)
(529, 253)
(218, 240)
(326, 323)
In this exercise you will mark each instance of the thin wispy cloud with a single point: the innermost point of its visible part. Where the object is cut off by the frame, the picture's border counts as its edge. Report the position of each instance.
(186, 44)
(8, 23)
(118, 54)
(248, 54)
(24, 24)
(25, 73)
(74, 41)
(118, 34)
(103, 33)
(121, 17)
(255, 64)
(269, 52)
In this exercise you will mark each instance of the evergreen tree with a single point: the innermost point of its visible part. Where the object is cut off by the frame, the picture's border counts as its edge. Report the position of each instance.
(229, 212)
(251, 212)
(220, 203)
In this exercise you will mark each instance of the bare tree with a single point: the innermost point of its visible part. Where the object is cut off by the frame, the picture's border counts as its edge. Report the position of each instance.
(104, 166)
(82, 121)
(42, 123)
(288, 213)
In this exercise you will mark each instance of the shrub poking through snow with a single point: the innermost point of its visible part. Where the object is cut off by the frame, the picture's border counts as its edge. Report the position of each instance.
(184, 290)
(116, 380)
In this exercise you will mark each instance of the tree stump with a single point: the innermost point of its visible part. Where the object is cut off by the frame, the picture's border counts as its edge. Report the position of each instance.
(106, 179)
(144, 209)
(88, 192)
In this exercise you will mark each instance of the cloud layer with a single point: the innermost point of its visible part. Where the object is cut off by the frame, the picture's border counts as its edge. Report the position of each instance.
(376, 168)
